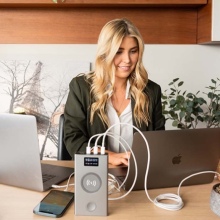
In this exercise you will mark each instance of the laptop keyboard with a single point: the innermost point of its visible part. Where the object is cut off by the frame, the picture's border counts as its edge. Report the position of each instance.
(47, 177)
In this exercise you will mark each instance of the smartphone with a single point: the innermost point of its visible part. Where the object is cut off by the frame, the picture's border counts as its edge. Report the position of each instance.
(54, 204)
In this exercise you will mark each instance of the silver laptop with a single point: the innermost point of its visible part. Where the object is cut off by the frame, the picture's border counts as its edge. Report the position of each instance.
(174, 155)
(20, 163)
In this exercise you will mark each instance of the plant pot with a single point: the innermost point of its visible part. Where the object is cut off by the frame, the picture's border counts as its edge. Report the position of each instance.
(215, 199)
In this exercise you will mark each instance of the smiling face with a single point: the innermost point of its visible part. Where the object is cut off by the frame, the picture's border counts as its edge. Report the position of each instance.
(126, 58)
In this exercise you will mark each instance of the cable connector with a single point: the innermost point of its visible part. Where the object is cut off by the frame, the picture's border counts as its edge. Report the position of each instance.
(102, 150)
(88, 150)
(95, 150)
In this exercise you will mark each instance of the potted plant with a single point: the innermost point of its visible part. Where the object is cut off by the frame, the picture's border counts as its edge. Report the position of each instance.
(215, 199)
(186, 109)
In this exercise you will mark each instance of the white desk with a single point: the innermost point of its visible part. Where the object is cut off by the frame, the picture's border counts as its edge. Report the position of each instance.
(18, 204)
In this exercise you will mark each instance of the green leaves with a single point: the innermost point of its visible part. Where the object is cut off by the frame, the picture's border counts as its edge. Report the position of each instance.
(187, 109)
(180, 83)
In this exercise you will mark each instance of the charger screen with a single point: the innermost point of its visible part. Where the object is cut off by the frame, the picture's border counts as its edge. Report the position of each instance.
(91, 161)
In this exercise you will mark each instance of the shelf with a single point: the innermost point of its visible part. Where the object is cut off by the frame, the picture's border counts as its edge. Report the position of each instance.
(102, 3)
(69, 22)
(209, 23)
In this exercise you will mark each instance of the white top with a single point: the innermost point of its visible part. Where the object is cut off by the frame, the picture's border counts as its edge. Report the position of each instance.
(123, 131)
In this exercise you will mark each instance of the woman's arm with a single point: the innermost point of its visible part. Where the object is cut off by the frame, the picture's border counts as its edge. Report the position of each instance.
(155, 109)
(76, 135)
(158, 117)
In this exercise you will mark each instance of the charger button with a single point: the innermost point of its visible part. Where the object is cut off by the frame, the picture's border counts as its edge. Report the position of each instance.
(91, 206)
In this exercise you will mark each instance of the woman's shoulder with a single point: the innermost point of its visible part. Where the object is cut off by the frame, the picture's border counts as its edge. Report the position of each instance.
(153, 85)
(80, 79)
(153, 90)
(80, 84)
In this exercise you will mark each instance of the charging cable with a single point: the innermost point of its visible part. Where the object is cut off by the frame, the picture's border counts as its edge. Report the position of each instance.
(169, 196)
(157, 201)
(177, 198)
(113, 184)
(94, 149)
(107, 133)
(65, 186)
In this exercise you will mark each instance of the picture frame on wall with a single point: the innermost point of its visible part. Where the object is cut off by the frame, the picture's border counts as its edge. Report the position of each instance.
(39, 88)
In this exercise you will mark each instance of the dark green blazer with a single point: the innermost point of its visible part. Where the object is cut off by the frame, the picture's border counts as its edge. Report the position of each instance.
(77, 127)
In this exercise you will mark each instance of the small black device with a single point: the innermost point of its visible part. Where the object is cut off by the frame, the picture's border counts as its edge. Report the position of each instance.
(54, 204)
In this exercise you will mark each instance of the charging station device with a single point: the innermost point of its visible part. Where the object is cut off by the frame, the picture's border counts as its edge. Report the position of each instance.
(91, 184)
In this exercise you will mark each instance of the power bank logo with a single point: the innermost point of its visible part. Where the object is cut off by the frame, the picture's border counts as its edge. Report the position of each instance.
(91, 182)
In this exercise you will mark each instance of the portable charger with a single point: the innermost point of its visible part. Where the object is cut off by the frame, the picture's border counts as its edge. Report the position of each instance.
(91, 184)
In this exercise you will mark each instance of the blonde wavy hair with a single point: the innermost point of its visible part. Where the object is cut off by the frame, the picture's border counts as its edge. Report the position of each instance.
(103, 77)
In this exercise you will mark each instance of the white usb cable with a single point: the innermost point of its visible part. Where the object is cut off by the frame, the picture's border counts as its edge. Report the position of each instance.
(135, 163)
(168, 196)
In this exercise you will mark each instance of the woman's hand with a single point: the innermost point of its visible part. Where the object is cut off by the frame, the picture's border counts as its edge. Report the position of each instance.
(118, 158)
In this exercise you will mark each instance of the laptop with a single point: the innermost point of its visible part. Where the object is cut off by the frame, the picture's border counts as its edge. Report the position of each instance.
(20, 163)
(174, 155)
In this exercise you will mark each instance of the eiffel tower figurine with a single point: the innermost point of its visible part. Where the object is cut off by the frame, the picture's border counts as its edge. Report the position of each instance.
(33, 101)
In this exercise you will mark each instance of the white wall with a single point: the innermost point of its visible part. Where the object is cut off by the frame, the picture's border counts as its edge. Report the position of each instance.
(196, 65)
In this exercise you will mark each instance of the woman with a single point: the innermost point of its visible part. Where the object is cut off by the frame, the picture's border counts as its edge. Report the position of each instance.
(118, 90)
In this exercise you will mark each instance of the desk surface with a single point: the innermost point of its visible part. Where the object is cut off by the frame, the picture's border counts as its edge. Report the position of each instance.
(16, 204)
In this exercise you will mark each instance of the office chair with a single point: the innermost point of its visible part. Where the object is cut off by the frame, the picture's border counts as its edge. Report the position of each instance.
(62, 153)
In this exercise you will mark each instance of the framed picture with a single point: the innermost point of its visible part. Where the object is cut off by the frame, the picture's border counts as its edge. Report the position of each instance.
(39, 88)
